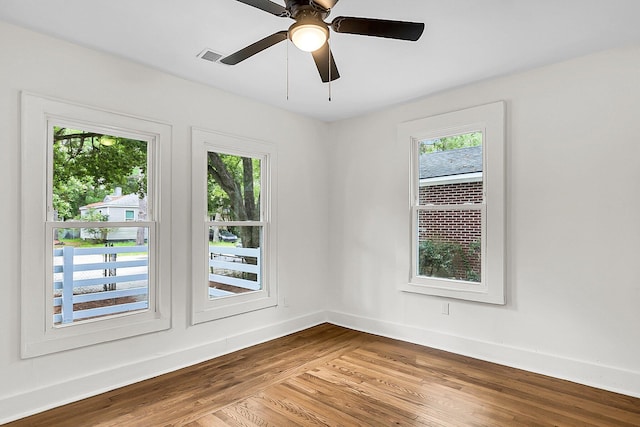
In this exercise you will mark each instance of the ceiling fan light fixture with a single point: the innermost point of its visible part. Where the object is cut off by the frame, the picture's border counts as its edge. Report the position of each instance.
(308, 37)
(310, 31)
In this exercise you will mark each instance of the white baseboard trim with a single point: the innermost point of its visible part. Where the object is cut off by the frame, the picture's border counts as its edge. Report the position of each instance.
(54, 395)
(603, 377)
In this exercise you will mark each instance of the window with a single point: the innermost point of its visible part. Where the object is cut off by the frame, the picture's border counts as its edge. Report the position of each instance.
(233, 229)
(457, 204)
(100, 267)
(90, 268)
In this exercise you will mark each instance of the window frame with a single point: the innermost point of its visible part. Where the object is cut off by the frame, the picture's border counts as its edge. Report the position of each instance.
(39, 335)
(490, 120)
(203, 308)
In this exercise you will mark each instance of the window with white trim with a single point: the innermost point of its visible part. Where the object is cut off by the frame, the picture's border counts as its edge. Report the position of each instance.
(457, 204)
(91, 271)
(233, 230)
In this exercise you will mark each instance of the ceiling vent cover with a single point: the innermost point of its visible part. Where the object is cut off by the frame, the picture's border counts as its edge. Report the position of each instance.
(209, 55)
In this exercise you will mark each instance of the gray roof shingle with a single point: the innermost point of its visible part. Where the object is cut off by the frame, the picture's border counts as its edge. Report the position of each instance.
(128, 200)
(451, 162)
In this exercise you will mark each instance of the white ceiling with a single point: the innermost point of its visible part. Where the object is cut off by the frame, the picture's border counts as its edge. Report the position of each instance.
(464, 41)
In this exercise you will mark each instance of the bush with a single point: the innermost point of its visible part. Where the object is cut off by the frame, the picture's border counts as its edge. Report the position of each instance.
(436, 259)
(448, 260)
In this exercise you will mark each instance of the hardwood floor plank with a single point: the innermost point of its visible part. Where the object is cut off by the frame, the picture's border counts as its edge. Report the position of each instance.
(328, 375)
(447, 410)
(255, 411)
(501, 379)
(285, 402)
(280, 403)
(516, 384)
(319, 407)
(209, 420)
(366, 409)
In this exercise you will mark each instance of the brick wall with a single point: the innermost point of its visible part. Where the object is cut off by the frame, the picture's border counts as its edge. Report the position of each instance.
(461, 227)
(451, 194)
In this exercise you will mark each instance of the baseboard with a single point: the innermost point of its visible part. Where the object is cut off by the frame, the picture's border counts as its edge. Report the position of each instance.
(603, 377)
(54, 395)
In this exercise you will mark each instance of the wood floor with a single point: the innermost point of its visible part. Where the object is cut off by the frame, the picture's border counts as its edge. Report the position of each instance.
(333, 376)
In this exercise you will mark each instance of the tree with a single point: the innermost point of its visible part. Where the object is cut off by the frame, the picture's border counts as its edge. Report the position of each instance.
(473, 139)
(448, 259)
(436, 258)
(234, 192)
(99, 235)
(87, 166)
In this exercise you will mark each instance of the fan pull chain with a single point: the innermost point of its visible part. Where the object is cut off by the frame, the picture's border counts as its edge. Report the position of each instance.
(329, 62)
(287, 68)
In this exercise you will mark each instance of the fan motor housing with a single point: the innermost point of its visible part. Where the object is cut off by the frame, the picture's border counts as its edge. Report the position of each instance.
(306, 9)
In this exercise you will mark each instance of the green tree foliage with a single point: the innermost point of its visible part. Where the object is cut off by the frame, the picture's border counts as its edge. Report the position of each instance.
(473, 139)
(87, 166)
(98, 235)
(436, 259)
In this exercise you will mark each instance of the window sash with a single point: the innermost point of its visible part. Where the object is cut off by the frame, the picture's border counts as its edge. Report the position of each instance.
(439, 282)
(152, 284)
(152, 154)
(247, 223)
(454, 207)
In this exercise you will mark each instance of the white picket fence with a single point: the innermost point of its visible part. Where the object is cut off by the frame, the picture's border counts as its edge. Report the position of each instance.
(232, 260)
(82, 274)
(81, 282)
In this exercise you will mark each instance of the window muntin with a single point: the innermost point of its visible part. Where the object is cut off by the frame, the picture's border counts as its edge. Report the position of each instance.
(457, 212)
(234, 248)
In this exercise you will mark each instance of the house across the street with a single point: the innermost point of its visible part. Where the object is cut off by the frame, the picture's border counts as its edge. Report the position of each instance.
(118, 208)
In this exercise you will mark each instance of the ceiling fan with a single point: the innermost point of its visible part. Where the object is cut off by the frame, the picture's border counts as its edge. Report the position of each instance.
(310, 33)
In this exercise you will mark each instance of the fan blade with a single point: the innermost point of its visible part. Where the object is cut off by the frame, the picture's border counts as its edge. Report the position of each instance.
(327, 4)
(267, 6)
(400, 30)
(323, 58)
(254, 48)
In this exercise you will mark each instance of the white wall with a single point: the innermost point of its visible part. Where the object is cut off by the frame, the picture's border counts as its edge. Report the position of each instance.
(573, 206)
(42, 65)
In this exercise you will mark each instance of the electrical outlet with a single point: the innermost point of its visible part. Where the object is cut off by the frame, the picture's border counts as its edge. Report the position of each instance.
(445, 308)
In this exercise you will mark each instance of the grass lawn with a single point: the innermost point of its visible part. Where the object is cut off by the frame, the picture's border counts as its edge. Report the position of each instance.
(82, 243)
(211, 243)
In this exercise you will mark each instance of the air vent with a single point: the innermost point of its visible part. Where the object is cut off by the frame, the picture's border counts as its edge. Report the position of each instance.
(209, 55)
